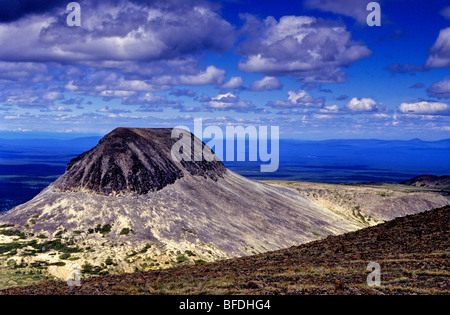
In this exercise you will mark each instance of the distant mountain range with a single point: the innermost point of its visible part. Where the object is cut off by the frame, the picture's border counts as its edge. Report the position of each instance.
(331, 161)
(31, 162)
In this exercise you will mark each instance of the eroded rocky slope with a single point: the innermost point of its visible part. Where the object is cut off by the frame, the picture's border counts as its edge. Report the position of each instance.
(370, 204)
(412, 251)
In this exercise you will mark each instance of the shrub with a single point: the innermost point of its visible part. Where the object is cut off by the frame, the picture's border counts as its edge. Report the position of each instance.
(144, 250)
(13, 233)
(181, 259)
(105, 229)
(108, 261)
(64, 256)
(199, 262)
(87, 268)
(56, 245)
(125, 231)
(4, 248)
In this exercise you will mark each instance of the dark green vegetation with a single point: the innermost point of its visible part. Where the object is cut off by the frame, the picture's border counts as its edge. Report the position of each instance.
(105, 229)
(413, 253)
(33, 247)
(13, 233)
(18, 278)
(89, 269)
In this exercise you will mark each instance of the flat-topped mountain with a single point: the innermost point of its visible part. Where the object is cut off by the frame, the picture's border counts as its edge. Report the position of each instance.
(133, 160)
(127, 199)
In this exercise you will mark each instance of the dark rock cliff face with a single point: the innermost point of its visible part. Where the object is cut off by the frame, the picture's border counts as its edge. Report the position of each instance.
(134, 160)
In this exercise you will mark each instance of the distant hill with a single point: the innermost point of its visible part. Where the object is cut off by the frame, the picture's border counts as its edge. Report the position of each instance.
(431, 181)
(412, 252)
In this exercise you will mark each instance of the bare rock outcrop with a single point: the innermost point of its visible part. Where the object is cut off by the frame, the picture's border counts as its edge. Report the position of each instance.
(133, 160)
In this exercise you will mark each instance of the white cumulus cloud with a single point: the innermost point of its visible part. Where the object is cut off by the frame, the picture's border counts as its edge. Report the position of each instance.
(439, 56)
(301, 46)
(363, 105)
(266, 84)
(233, 83)
(299, 99)
(440, 89)
(424, 108)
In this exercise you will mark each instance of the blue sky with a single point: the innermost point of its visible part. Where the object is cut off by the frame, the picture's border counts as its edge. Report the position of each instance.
(314, 68)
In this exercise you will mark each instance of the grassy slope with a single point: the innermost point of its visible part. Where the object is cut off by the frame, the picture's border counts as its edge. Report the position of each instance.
(413, 252)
